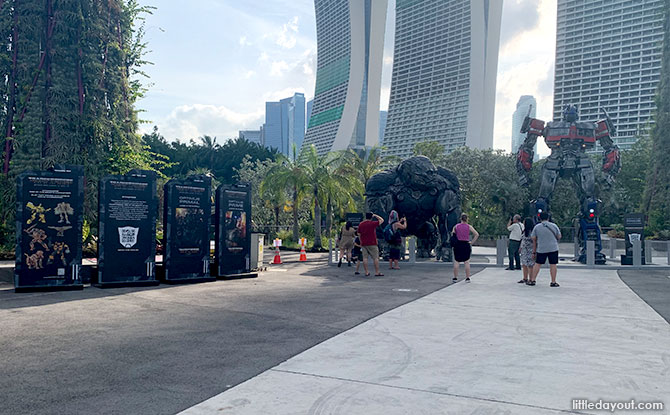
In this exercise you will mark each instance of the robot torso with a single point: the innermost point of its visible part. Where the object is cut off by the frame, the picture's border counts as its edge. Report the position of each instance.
(570, 135)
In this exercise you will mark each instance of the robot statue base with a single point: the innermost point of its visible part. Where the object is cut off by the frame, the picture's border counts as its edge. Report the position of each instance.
(421, 192)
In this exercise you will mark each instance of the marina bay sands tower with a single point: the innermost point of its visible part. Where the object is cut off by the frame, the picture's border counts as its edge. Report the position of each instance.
(444, 74)
(350, 38)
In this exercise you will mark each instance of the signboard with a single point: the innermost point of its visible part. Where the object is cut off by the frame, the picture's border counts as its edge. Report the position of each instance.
(127, 229)
(233, 229)
(49, 218)
(354, 218)
(634, 230)
(187, 219)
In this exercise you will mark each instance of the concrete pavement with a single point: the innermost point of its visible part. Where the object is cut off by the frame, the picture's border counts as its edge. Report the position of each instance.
(488, 347)
(160, 350)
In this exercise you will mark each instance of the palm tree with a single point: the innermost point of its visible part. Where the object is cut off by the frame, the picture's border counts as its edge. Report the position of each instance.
(363, 167)
(287, 174)
(337, 187)
(209, 147)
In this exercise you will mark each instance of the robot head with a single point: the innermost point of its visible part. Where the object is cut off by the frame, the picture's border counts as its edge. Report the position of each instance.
(418, 172)
(570, 113)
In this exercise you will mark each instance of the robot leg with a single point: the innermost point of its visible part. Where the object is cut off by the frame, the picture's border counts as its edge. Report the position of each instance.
(589, 226)
(548, 182)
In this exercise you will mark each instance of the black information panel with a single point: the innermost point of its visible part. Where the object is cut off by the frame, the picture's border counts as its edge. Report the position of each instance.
(49, 218)
(633, 224)
(127, 225)
(233, 229)
(354, 218)
(187, 219)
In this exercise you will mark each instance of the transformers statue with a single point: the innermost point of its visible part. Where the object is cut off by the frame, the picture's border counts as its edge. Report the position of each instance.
(419, 191)
(569, 140)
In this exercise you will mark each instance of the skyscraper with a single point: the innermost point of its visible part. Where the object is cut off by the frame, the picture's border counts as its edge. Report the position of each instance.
(608, 56)
(254, 136)
(525, 103)
(285, 124)
(350, 40)
(383, 115)
(444, 74)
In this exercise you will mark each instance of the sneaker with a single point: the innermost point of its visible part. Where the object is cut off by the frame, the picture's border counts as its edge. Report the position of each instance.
(554, 284)
(522, 281)
(467, 280)
(532, 283)
(509, 269)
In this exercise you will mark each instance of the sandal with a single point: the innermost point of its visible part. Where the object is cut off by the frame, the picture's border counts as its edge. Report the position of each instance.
(554, 284)
(454, 279)
(379, 275)
(522, 281)
(357, 273)
(367, 274)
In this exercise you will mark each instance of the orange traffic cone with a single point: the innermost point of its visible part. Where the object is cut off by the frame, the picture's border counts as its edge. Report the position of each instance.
(303, 254)
(277, 259)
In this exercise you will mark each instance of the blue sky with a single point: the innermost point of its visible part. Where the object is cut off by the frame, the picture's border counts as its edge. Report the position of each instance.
(216, 62)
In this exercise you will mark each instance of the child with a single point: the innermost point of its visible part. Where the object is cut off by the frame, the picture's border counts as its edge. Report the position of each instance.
(357, 254)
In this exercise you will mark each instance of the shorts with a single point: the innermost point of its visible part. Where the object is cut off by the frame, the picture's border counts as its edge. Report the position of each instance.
(541, 257)
(356, 255)
(372, 250)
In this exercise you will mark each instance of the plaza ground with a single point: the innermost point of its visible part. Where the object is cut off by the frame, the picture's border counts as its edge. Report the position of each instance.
(309, 338)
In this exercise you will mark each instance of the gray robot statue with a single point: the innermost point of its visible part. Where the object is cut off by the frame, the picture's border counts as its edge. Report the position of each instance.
(569, 140)
(419, 191)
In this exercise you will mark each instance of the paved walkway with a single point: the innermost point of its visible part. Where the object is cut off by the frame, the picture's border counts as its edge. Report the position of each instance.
(488, 347)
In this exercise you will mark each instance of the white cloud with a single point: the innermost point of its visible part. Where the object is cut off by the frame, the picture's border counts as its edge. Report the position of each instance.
(244, 41)
(249, 74)
(526, 67)
(192, 121)
(277, 68)
(287, 36)
(263, 57)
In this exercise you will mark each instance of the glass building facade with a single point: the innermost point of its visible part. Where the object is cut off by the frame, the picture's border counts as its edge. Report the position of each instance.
(444, 74)
(350, 38)
(608, 56)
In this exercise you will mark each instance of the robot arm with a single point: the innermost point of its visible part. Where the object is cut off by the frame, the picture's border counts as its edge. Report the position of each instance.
(533, 128)
(611, 158)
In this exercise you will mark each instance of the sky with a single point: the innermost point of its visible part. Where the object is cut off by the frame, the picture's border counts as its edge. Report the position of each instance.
(216, 63)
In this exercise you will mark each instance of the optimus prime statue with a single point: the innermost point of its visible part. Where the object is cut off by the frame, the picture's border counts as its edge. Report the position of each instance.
(419, 191)
(569, 140)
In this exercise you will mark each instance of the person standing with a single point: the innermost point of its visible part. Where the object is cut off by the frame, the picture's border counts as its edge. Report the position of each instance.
(526, 251)
(463, 247)
(347, 236)
(515, 229)
(395, 241)
(368, 234)
(545, 246)
(357, 254)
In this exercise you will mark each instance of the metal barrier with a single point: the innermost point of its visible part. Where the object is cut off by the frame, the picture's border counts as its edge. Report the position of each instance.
(591, 253)
(501, 251)
(412, 249)
(637, 253)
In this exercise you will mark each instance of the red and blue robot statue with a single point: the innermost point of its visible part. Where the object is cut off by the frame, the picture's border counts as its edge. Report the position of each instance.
(569, 140)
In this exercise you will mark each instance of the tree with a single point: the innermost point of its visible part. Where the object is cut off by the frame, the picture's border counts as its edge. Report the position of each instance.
(361, 167)
(289, 174)
(69, 72)
(657, 192)
(317, 170)
(489, 187)
(431, 149)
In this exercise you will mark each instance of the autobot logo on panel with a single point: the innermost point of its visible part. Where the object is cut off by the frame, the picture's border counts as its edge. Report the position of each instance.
(128, 236)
